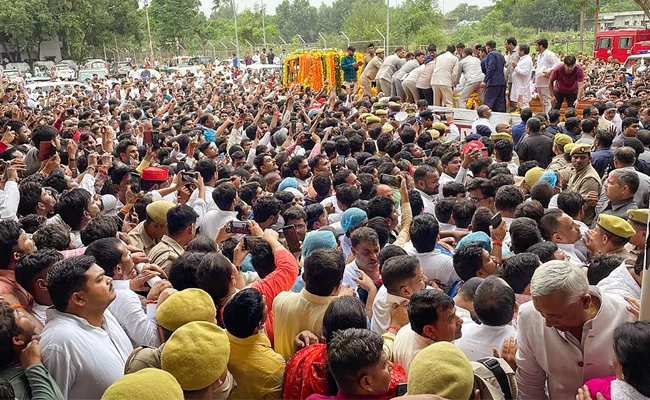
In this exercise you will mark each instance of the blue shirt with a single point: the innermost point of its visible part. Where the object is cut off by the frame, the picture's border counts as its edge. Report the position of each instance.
(518, 131)
(601, 158)
(494, 64)
(349, 71)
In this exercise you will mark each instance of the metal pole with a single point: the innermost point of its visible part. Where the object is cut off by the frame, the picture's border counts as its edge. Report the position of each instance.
(146, 10)
(387, 24)
(347, 38)
(645, 290)
(104, 44)
(249, 43)
(224, 46)
(581, 26)
(263, 26)
(116, 48)
(283, 41)
(383, 37)
(214, 51)
(596, 17)
(234, 7)
(324, 41)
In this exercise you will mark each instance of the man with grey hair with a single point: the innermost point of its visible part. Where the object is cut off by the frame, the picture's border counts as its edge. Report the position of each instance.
(565, 335)
(484, 113)
(625, 159)
(620, 187)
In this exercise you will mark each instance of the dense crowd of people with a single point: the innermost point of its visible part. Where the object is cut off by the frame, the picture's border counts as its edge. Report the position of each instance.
(216, 238)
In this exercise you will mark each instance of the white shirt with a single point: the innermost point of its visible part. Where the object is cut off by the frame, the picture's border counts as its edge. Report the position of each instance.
(210, 204)
(435, 265)
(521, 79)
(9, 200)
(351, 271)
(381, 309)
(484, 122)
(548, 359)
(39, 310)
(214, 220)
(470, 67)
(478, 340)
(546, 61)
(620, 282)
(574, 256)
(428, 201)
(84, 360)
(127, 310)
(407, 345)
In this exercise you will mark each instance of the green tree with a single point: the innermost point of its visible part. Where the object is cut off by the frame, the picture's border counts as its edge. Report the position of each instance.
(27, 22)
(173, 20)
(467, 12)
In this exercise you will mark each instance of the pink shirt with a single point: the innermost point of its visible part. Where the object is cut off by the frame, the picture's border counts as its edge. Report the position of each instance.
(565, 82)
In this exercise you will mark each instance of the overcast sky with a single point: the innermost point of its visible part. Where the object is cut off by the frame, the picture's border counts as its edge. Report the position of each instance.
(206, 5)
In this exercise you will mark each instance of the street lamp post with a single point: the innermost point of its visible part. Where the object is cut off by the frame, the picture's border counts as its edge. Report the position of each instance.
(263, 26)
(146, 10)
(387, 24)
(234, 8)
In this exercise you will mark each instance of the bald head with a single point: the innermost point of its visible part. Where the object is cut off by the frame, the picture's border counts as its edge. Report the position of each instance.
(384, 191)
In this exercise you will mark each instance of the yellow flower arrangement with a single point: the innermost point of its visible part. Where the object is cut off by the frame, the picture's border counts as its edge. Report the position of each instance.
(315, 68)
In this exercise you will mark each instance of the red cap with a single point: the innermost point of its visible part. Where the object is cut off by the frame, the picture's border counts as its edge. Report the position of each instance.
(76, 135)
(474, 144)
(155, 174)
(322, 100)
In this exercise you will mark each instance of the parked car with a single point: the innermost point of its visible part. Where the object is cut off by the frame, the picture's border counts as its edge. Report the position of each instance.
(64, 72)
(200, 60)
(122, 68)
(13, 75)
(88, 74)
(96, 63)
(71, 63)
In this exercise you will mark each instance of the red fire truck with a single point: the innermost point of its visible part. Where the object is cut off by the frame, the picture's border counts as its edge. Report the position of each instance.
(620, 43)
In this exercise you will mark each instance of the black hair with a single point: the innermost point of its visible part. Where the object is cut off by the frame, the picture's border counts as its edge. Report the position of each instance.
(542, 191)
(207, 168)
(350, 352)
(544, 250)
(347, 194)
(601, 266)
(463, 211)
(486, 187)
(102, 226)
(323, 271)
(425, 307)
(390, 251)
(30, 196)
(571, 203)
(322, 183)
(397, 270)
(8, 330)
(262, 259)
(34, 263)
(342, 313)
(313, 212)
(107, 253)
(468, 260)
(66, 277)
(179, 218)
(52, 236)
(479, 165)
(32, 222)
(481, 221)
(494, 302)
(452, 189)
(9, 236)
(633, 354)
(247, 192)
(380, 226)
(243, 313)
(530, 209)
(518, 270)
(266, 207)
(182, 273)
(202, 244)
(416, 202)
(444, 208)
(43, 133)
(604, 138)
(508, 198)
(380, 206)
(214, 275)
(223, 195)
(71, 207)
(424, 232)
(524, 233)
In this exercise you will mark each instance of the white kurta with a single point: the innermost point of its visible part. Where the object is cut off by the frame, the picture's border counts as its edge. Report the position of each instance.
(520, 91)
(547, 356)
